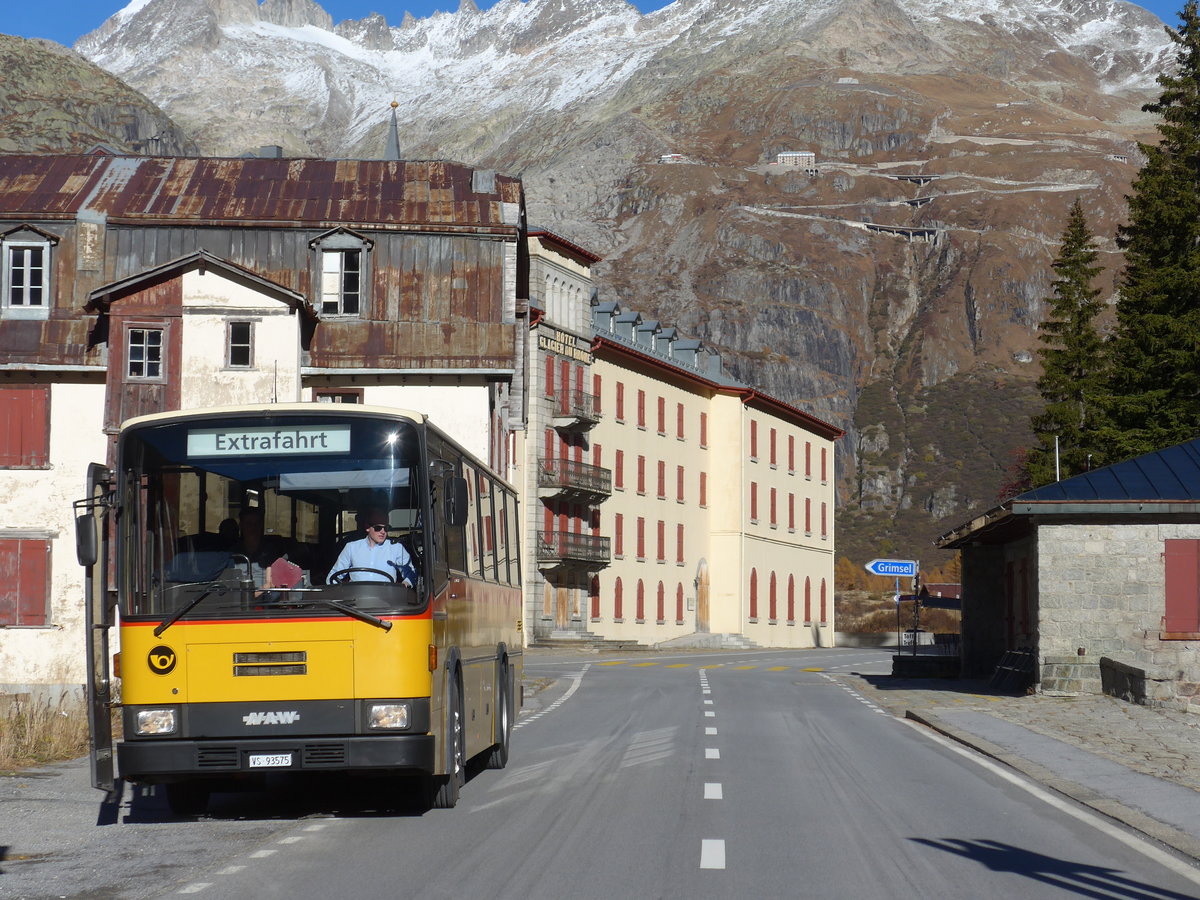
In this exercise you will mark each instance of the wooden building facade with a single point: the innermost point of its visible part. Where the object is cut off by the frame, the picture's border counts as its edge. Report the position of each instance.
(142, 284)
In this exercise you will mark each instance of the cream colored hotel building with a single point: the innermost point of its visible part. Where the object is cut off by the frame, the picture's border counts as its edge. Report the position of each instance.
(664, 500)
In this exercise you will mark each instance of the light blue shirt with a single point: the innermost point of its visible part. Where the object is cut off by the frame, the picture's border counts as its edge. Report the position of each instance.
(386, 557)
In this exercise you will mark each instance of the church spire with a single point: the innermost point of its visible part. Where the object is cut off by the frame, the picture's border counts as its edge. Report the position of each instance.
(392, 152)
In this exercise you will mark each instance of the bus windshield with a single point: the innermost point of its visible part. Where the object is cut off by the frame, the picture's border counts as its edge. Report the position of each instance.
(295, 514)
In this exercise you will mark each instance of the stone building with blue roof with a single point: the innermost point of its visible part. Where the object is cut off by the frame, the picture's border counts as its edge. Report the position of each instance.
(1097, 575)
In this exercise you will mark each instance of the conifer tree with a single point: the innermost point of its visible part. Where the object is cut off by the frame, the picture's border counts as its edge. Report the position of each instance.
(1152, 393)
(1072, 356)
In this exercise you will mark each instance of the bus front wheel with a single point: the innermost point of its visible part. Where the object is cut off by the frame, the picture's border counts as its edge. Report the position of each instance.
(445, 793)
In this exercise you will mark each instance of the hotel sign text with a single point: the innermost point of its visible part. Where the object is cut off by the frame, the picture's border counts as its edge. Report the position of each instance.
(564, 345)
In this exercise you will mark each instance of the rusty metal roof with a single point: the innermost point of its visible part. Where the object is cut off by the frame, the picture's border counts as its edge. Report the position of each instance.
(305, 192)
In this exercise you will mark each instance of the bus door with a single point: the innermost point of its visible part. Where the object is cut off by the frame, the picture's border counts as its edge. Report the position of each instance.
(91, 548)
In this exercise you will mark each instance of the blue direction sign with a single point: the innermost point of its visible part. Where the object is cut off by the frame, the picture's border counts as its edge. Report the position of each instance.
(901, 568)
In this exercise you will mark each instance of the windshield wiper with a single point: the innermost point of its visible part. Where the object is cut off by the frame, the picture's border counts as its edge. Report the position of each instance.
(219, 588)
(340, 607)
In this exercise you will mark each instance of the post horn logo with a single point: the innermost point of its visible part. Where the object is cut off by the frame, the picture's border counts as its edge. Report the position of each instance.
(161, 660)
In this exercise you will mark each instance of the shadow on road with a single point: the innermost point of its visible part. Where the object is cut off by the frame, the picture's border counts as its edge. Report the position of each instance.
(976, 686)
(280, 797)
(1078, 878)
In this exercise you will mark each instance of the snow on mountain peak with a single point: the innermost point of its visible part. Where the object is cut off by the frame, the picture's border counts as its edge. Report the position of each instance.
(521, 58)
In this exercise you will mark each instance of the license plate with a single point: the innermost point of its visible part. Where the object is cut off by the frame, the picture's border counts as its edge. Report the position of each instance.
(270, 760)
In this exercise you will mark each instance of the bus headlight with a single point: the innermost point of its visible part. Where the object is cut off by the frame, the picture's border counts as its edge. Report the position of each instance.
(156, 721)
(390, 716)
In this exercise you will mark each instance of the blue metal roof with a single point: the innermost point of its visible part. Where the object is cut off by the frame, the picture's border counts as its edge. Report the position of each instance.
(1170, 474)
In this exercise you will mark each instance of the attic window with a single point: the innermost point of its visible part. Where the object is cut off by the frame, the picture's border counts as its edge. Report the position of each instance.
(342, 272)
(341, 282)
(26, 278)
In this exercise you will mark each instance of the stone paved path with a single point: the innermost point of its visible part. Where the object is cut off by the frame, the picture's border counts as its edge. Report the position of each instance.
(1160, 742)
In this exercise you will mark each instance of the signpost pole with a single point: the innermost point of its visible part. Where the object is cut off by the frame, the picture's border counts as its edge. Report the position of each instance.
(898, 644)
(916, 581)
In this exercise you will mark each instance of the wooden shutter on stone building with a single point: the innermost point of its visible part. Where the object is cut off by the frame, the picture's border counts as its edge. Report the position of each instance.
(1182, 613)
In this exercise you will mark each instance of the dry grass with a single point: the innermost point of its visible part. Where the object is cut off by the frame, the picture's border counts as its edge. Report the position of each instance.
(861, 612)
(33, 734)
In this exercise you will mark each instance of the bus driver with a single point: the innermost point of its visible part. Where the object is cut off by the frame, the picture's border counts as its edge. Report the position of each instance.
(376, 552)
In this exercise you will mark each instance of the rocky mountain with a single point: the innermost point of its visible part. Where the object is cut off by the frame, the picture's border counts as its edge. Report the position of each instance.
(54, 100)
(895, 289)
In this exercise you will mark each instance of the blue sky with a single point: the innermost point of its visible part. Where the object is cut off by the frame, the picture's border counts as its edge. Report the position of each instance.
(67, 20)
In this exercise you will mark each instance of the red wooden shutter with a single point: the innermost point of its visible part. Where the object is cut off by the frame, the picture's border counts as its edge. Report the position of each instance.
(25, 425)
(1182, 613)
(24, 581)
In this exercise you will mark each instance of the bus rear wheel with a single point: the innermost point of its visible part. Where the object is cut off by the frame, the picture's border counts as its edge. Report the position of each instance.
(498, 756)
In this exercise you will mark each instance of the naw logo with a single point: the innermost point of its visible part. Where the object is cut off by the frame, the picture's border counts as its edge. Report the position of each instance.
(273, 717)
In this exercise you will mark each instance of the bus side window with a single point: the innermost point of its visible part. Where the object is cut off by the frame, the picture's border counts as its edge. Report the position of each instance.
(473, 537)
(447, 536)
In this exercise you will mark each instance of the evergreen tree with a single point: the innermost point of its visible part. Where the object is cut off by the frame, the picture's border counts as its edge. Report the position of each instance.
(1152, 394)
(1072, 355)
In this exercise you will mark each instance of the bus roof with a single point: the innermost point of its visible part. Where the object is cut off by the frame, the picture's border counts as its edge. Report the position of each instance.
(347, 409)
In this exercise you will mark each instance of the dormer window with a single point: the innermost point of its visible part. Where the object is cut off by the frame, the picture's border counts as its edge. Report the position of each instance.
(342, 272)
(26, 255)
(341, 282)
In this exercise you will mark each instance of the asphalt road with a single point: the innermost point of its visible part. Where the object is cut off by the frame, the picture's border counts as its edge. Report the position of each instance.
(724, 775)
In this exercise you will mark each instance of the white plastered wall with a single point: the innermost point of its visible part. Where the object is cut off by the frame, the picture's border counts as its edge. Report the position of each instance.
(459, 410)
(37, 503)
(211, 300)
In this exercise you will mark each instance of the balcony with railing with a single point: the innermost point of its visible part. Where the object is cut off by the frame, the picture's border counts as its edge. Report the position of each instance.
(575, 411)
(559, 549)
(567, 478)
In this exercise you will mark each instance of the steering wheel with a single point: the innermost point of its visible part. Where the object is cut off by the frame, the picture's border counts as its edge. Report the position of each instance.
(342, 576)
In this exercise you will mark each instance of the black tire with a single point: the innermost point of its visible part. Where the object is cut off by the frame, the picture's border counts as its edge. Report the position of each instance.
(498, 756)
(187, 798)
(446, 787)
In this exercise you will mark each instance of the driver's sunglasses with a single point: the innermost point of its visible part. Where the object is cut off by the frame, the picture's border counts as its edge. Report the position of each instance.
(377, 527)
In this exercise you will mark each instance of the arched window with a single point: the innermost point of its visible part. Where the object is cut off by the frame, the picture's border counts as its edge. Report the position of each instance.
(791, 598)
(641, 601)
(824, 611)
(753, 594)
(807, 599)
(617, 600)
(662, 604)
(679, 604)
(774, 606)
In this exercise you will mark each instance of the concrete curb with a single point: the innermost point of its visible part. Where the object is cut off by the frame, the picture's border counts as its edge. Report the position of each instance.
(1168, 835)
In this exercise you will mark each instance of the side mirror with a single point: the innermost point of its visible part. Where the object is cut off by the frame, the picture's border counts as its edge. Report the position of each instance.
(456, 501)
(86, 548)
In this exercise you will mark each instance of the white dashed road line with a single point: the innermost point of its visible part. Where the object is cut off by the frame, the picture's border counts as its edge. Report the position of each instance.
(712, 850)
(576, 680)
(870, 704)
(712, 854)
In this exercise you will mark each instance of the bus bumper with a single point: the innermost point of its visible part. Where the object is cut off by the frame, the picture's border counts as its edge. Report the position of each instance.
(169, 759)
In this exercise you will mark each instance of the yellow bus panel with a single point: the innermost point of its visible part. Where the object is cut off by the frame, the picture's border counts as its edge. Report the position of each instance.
(280, 659)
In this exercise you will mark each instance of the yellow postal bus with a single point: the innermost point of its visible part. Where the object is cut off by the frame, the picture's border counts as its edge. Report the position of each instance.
(301, 588)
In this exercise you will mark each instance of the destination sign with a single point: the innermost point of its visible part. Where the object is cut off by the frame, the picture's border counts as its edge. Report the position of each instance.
(302, 440)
